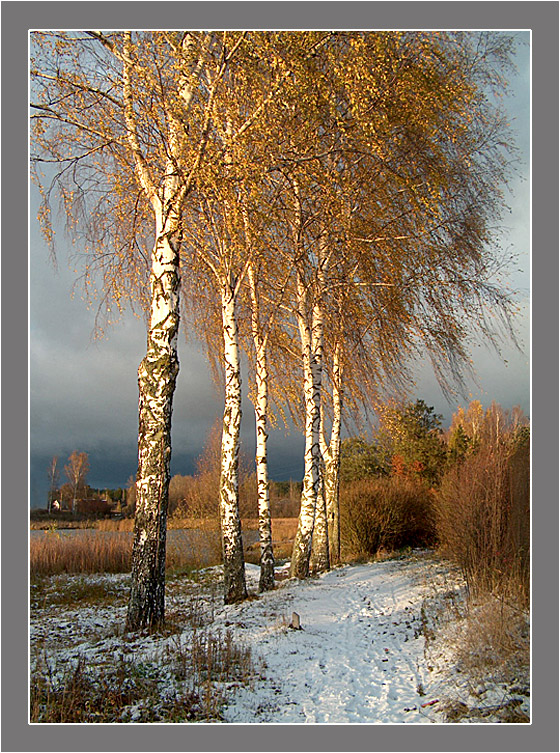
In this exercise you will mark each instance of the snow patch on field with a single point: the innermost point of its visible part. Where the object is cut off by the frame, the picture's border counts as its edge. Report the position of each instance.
(376, 645)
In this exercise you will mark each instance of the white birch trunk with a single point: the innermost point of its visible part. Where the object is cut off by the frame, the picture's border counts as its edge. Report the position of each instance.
(266, 580)
(232, 545)
(332, 461)
(312, 355)
(157, 373)
(156, 379)
(320, 553)
(320, 542)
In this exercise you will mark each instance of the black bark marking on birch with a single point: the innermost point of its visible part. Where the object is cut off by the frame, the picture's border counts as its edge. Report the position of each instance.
(146, 606)
(156, 380)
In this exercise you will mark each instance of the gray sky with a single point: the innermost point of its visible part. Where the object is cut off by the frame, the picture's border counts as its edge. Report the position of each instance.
(84, 393)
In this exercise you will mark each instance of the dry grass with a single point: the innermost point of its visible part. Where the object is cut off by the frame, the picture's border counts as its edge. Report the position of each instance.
(113, 525)
(49, 524)
(77, 697)
(54, 553)
(173, 524)
(181, 558)
(93, 552)
(124, 525)
(105, 694)
(495, 642)
(483, 523)
(108, 547)
(283, 535)
(482, 647)
(492, 651)
(283, 529)
(74, 591)
(185, 678)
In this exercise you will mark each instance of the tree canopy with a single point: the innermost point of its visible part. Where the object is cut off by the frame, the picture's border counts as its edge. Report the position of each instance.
(326, 200)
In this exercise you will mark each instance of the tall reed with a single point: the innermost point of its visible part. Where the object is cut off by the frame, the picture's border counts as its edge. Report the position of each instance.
(53, 553)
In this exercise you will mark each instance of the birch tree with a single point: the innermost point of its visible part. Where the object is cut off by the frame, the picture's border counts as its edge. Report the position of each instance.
(220, 277)
(229, 279)
(308, 314)
(266, 296)
(113, 112)
(154, 133)
(331, 457)
(261, 403)
(422, 216)
(244, 148)
(271, 351)
(76, 472)
(432, 160)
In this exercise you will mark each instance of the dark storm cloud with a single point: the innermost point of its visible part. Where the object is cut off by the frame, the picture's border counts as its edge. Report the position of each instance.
(84, 394)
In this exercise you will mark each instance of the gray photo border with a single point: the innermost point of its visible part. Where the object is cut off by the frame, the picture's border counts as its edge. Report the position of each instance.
(542, 19)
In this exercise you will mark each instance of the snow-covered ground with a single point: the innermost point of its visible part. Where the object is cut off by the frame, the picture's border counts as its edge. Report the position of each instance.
(377, 644)
(359, 656)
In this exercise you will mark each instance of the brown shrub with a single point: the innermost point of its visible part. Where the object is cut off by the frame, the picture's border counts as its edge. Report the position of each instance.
(385, 513)
(95, 507)
(285, 499)
(483, 518)
(494, 643)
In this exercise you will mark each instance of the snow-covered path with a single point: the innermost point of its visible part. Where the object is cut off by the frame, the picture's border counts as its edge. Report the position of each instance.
(359, 657)
(378, 644)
